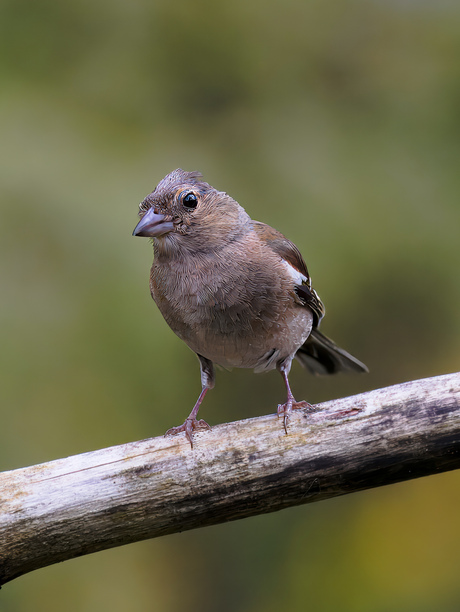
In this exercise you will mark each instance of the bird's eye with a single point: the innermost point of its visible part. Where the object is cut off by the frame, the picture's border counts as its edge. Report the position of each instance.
(190, 200)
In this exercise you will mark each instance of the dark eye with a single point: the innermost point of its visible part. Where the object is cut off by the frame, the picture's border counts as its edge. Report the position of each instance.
(190, 200)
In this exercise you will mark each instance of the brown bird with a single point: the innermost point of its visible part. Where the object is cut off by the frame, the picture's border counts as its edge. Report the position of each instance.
(236, 291)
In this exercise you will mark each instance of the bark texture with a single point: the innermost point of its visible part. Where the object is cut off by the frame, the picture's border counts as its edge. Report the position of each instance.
(97, 500)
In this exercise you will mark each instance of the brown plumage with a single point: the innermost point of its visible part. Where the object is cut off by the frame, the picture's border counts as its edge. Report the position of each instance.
(235, 290)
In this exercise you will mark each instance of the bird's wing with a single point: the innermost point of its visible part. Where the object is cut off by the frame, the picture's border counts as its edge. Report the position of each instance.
(288, 251)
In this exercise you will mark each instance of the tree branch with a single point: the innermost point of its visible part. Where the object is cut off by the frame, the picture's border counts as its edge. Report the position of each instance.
(97, 500)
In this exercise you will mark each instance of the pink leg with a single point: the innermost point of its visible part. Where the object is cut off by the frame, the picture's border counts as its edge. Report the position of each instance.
(191, 423)
(291, 404)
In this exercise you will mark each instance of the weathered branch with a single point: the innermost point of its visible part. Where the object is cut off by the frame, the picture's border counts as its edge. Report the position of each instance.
(74, 506)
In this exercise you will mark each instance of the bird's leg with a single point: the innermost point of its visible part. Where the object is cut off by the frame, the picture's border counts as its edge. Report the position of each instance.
(291, 404)
(191, 423)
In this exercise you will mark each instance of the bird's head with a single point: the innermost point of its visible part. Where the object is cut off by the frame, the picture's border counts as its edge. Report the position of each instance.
(184, 213)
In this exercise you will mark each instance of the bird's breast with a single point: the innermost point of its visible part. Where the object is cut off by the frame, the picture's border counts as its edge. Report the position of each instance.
(237, 314)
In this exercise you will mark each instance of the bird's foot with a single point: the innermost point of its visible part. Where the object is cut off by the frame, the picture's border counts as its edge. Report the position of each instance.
(285, 410)
(188, 426)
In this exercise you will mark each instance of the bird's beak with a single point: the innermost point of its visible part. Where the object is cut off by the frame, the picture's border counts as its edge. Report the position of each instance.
(153, 225)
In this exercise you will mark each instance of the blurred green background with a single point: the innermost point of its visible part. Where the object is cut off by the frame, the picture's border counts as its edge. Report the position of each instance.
(338, 123)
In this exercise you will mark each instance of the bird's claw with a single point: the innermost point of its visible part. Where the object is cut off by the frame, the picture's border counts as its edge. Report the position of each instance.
(286, 409)
(188, 426)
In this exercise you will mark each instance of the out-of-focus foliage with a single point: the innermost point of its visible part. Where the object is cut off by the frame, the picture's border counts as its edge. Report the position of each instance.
(336, 122)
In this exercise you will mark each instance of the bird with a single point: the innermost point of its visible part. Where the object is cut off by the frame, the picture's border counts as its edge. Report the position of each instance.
(236, 291)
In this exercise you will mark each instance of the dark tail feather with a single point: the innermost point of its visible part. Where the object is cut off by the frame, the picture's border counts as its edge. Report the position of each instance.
(322, 356)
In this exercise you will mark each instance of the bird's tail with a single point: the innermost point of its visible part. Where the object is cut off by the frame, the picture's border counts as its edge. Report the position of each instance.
(321, 355)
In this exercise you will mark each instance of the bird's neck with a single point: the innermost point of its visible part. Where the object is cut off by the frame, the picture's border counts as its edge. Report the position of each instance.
(203, 242)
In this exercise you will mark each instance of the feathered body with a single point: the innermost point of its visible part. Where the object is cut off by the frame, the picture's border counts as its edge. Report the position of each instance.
(236, 291)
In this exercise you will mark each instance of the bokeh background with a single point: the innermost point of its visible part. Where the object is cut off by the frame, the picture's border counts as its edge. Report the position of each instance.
(339, 124)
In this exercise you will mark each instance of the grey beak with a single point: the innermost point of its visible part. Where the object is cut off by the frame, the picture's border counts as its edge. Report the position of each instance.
(153, 225)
